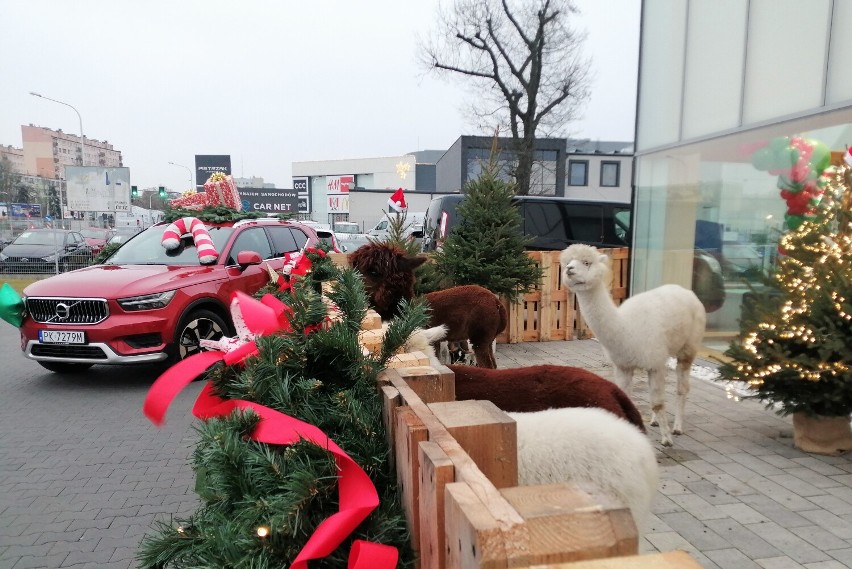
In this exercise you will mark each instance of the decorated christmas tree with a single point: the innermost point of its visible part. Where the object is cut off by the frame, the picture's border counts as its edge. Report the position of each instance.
(293, 462)
(793, 348)
(487, 246)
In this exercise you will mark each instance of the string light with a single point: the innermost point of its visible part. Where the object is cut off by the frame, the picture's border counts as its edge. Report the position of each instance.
(262, 531)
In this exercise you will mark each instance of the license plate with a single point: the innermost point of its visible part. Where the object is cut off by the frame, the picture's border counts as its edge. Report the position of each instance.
(61, 337)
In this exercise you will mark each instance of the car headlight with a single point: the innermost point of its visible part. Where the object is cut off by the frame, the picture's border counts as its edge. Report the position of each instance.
(49, 258)
(3, 257)
(147, 301)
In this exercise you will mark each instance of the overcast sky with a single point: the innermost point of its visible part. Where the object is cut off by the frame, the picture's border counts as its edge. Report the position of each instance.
(268, 82)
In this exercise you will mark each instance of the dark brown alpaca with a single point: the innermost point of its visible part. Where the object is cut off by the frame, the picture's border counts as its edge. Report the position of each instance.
(541, 387)
(470, 312)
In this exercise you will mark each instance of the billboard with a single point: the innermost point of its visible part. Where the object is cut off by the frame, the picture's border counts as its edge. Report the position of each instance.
(97, 188)
(206, 164)
(25, 210)
(302, 186)
(270, 200)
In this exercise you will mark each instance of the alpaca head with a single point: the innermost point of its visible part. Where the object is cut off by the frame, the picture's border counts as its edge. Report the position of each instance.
(584, 267)
(388, 275)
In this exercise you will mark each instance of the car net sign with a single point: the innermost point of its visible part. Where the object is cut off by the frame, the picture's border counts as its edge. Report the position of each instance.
(270, 200)
(97, 188)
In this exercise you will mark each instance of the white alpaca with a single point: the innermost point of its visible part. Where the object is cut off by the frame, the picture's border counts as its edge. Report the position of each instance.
(587, 444)
(577, 444)
(640, 333)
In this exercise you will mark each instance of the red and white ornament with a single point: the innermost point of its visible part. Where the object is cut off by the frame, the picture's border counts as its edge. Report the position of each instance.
(207, 253)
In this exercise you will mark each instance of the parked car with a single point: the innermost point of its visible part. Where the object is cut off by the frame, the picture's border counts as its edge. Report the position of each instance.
(96, 238)
(45, 250)
(350, 235)
(329, 238)
(413, 225)
(147, 304)
(551, 223)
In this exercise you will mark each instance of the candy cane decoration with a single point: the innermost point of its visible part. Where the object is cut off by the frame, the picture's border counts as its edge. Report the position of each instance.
(207, 253)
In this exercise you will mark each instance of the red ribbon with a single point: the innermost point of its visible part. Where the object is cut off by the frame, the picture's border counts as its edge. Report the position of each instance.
(356, 493)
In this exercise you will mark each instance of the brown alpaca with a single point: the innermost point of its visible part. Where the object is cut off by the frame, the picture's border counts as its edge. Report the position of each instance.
(541, 387)
(470, 312)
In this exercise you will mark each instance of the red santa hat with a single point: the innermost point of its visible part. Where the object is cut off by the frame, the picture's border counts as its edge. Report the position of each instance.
(397, 201)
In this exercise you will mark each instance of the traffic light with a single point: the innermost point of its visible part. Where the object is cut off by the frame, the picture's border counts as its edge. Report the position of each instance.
(162, 192)
(134, 192)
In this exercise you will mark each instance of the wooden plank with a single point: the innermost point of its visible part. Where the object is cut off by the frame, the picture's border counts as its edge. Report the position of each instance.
(391, 399)
(371, 321)
(545, 314)
(410, 432)
(372, 340)
(431, 384)
(408, 360)
(570, 522)
(436, 471)
(340, 259)
(667, 560)
(473, 536)
(487, 434)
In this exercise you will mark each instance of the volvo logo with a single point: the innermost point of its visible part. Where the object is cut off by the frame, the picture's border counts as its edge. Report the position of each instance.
(24, 260)
(62, 311)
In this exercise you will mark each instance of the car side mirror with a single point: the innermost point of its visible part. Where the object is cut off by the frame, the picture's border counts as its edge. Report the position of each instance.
(248, 258)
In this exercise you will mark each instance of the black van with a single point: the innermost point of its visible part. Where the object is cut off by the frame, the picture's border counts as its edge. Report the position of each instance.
(552, 223)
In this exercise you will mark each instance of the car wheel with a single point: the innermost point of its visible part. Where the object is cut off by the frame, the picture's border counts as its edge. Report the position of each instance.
(199, 325)
(64, 367)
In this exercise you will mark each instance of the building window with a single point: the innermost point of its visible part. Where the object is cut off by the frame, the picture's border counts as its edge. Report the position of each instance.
(578, 172)
(610, 172)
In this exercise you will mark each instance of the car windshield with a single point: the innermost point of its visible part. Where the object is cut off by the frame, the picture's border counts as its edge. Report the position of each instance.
(147, 248)
(40, 238)
(95, 233)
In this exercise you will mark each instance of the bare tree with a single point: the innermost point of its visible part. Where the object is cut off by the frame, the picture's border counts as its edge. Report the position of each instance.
(525, 62)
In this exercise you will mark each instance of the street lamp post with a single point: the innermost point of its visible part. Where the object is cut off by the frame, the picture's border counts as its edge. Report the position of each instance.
(82, 148)
(191, 186)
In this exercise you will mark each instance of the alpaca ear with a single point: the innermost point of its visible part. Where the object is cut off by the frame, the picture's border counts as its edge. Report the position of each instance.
(605, 260)
(411, 263)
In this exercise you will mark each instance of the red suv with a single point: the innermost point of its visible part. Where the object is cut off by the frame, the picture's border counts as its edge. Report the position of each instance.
(148, 304)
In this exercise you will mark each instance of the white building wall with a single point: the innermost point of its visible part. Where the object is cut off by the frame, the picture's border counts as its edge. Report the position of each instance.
(594, 190)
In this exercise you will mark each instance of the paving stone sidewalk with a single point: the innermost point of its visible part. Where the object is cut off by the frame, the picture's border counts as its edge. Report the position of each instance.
(733, 491)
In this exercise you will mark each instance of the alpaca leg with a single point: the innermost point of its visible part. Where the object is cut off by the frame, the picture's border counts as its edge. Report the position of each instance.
(657, 392)
(444, 353)
(624, 379)
(683, 369)
(484, 355)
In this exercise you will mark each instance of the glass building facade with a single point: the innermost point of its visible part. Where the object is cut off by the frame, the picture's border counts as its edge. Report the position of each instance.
(720, 81)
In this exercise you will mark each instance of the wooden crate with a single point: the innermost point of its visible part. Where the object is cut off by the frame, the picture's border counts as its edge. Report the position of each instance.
(456, 463)
(551, 311)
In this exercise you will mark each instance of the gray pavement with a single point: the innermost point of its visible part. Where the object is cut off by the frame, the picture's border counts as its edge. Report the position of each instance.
(83, 474)
(733, 490)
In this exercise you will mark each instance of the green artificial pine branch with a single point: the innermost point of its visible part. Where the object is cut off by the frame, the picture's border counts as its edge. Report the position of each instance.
(320, 375)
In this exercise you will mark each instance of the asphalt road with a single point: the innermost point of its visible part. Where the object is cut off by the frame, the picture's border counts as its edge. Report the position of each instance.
(83, 474)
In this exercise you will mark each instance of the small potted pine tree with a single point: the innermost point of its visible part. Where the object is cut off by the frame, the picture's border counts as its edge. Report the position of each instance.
(793, 347)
